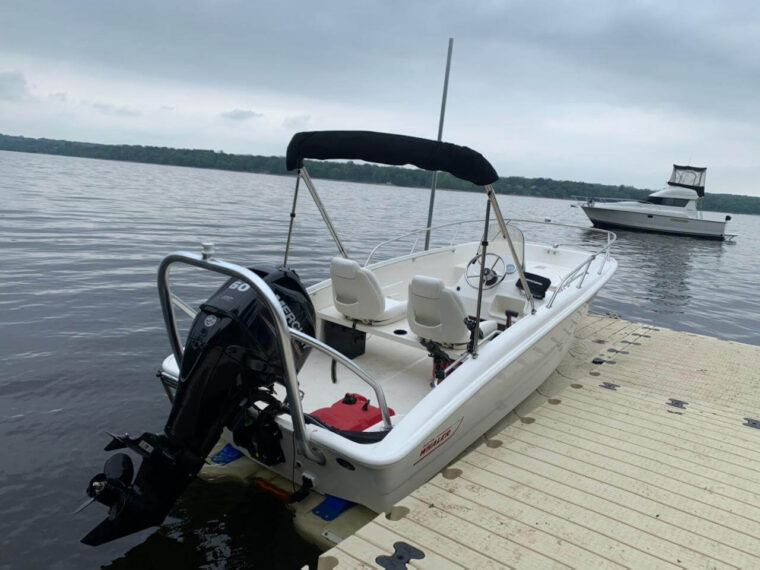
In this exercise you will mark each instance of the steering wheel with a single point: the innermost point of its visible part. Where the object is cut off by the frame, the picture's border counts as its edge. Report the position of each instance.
(494, 273)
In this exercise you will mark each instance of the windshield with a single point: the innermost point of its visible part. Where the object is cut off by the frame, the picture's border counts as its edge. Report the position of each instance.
(664, 201)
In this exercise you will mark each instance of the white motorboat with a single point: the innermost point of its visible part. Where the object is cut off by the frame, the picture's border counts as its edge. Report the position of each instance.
(367, 384)
(674, 210)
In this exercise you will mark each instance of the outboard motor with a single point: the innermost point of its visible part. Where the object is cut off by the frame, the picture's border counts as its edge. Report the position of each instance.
(231, 361)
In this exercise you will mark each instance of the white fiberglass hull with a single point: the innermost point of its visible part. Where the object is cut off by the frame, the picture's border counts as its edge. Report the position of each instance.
(394, 474)
(610, 218)
(450, 417)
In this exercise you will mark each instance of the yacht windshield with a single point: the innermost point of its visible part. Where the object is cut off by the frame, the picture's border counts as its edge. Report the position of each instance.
(664, 201)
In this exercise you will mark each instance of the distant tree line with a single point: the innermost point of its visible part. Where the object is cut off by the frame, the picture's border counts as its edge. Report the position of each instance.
(351, 171)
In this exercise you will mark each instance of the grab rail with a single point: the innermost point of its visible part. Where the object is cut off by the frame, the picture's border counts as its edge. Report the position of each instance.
(572, 276)
(585, 264)
(278, 318)
(604, 199)
(348, 363)
(611, 236)
(283, 333)
(314, 343)
(417, 231)
(569, 278)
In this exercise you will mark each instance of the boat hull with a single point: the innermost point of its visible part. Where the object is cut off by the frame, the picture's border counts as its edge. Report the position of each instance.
(379, 484)
(608, 218)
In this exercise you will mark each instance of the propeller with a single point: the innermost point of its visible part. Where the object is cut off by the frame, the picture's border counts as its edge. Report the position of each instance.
(135, 502)
(119, 467)
(108, 487)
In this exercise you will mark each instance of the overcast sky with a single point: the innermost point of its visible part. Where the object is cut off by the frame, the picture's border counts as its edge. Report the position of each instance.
(598, 91)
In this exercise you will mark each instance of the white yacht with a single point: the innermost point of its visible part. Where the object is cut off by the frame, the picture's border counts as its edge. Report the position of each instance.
(365, 385)
(674, 210)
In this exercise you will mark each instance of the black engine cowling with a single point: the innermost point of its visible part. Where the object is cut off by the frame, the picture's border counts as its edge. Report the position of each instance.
(231, 361)
(232, 354)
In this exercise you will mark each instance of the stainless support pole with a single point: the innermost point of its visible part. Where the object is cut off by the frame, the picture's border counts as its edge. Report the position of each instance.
(505, 232)
(440, 134)
(475, 332)
(292, 219)
(278, 318)
(585, 270)
(313, 191)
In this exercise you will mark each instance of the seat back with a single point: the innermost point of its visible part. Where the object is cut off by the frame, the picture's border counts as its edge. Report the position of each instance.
(436, 312)
(356, 292)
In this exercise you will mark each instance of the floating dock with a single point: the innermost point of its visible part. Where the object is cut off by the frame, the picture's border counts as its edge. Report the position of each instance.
(641, 450)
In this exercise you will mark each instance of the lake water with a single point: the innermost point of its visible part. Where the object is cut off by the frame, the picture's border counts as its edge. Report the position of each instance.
(81, 331)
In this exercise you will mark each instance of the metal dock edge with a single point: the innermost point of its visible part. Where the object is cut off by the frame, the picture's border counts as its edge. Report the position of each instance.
(649, 459)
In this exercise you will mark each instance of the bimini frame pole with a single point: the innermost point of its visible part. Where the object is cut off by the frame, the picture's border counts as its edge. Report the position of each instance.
(302, 173)
(505, 232)
(475, 332)
(292, 219)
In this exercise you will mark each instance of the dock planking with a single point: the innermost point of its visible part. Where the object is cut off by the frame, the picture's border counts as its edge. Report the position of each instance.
(645, 460)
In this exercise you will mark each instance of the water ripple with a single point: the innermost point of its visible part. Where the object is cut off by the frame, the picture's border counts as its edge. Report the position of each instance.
(82, 331)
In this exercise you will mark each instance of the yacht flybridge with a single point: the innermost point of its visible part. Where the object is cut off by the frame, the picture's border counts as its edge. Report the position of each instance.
(367, 384)
(674, 210)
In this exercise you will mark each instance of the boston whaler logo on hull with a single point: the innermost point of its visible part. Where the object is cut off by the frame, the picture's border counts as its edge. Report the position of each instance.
(442, 437)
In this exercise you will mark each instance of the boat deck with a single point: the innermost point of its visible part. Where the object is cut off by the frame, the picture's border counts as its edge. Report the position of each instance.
(645, 460)
(403, 371)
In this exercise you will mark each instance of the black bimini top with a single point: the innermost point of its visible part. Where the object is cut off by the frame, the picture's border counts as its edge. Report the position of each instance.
(386, 148)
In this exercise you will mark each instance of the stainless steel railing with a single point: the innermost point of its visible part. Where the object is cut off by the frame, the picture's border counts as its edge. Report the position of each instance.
(569, 278)
(603, 199)
(284, 335)
(348, 363)
(581, 270)
(420, 232)
(572, 276)
(611, 236)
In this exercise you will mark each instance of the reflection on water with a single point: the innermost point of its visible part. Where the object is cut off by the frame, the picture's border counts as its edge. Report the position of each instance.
(222, 524)
(687, 284)
(668, 289)
(82, 331)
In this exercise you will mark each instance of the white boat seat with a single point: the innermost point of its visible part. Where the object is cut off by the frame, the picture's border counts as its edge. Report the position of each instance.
(436, 312)
(358, 296)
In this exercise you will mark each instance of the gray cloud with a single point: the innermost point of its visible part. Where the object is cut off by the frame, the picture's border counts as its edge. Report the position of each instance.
(114, 110)
(13, 86)
(543, 88)
(240, 115)
(296, 121)
(641, 51)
